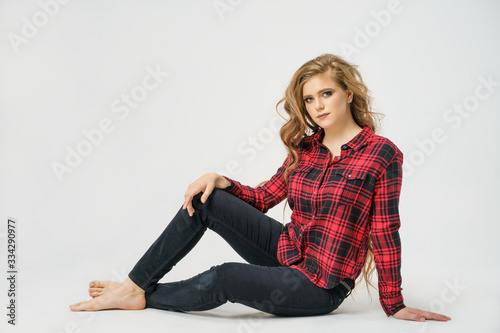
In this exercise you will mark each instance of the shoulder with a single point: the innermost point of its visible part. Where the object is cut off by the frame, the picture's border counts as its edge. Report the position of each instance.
(307, 142)
(384, 148)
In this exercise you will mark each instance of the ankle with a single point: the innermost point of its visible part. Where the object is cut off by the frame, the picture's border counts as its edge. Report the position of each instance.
(129, 285)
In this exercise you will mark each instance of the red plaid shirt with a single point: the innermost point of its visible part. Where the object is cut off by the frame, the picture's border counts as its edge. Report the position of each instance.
(334, 207)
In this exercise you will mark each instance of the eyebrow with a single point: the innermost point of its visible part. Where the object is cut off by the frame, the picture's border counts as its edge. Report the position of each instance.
(319, 92)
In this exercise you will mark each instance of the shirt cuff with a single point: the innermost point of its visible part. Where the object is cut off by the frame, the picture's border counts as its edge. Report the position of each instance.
(398, 308)
(393, 305)
(233, 188)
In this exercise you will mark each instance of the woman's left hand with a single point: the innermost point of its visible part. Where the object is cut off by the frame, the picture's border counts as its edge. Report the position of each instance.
(419, 315)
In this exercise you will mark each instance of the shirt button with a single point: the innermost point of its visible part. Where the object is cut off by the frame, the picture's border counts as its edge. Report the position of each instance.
(348, 176)
(343, 147)
(314, 192)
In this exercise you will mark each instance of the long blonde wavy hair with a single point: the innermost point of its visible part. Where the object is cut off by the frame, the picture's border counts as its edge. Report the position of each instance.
(300, 124)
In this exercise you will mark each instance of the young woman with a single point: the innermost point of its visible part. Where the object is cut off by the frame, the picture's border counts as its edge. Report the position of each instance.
(342, 183)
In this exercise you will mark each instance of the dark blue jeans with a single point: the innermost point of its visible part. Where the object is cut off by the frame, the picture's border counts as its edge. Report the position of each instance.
(262, 283)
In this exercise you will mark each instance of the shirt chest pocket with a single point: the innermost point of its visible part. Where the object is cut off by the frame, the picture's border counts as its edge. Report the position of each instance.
(352, 186)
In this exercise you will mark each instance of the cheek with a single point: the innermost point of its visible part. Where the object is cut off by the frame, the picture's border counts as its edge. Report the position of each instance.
(311, 115)
(337, 103)
(309, 111)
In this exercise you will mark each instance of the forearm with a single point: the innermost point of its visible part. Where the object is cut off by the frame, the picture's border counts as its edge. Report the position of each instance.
(220, 181)
(263, 198)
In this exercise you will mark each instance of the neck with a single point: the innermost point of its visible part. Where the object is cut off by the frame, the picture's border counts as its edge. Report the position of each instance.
(342, 133)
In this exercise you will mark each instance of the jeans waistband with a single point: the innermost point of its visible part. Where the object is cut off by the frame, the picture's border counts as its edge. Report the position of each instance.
(348, 284)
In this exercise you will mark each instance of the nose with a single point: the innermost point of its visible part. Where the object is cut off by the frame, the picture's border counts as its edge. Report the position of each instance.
(319, 104)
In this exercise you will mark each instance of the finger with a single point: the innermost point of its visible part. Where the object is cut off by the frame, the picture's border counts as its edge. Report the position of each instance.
(436, 316)
(416, 316)
(207, 192)
(427, 314)
(187, 202)
(187, 199)
(410, 314)
(423, 315)
(184, 204)
(188, 196)
(190, 208)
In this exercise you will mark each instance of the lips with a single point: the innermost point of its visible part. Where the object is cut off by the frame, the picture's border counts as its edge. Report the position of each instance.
(323, 115)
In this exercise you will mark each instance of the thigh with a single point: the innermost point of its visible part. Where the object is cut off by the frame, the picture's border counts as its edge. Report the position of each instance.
(278, 290)
(251, 233)
(282, 291)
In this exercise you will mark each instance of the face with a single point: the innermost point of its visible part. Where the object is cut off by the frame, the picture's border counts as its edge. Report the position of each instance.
(326, 102)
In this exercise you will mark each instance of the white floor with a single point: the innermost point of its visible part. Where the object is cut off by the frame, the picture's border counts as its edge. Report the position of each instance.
(44, 297)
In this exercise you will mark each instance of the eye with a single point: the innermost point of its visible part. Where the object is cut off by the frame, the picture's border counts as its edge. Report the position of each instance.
(327, 93)
(307, 99)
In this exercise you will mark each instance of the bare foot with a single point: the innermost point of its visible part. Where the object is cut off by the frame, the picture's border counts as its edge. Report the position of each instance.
(98, 288)
(113, 295)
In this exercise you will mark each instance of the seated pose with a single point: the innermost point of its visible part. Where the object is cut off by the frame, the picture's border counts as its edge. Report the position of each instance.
(342, 183)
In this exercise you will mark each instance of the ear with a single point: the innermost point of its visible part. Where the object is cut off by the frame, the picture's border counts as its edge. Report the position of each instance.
(350, 96)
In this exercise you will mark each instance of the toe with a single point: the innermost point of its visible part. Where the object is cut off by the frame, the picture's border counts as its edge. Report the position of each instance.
(77, 306)
(96, 284)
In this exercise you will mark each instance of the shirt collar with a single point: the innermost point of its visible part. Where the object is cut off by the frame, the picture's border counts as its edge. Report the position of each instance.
(356, 143)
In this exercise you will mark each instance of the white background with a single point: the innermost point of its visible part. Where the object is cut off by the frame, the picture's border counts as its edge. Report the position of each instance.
(226, 71)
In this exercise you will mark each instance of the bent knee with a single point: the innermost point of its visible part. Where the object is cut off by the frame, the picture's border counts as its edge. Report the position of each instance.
(218, 198)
